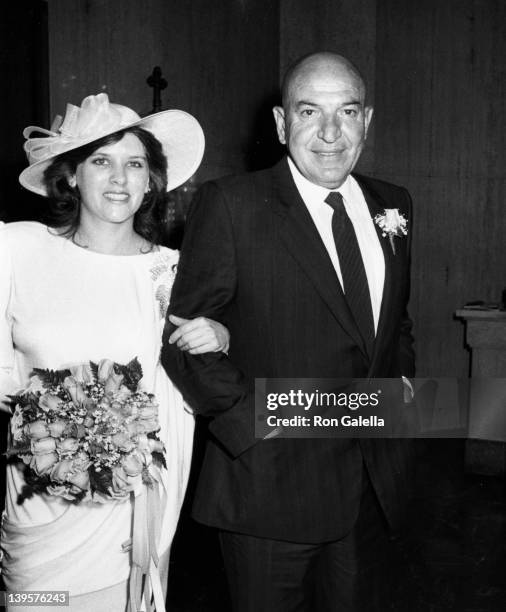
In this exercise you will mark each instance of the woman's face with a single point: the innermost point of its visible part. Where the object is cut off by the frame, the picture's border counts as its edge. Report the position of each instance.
(112, 181)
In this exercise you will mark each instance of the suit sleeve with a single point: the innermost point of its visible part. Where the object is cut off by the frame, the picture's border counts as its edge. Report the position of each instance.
(205, 285)
(406, 355)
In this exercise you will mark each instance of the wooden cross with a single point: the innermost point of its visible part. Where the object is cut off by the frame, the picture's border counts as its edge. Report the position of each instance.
(158, 83)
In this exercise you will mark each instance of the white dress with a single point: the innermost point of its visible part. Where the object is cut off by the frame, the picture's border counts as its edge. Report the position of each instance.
(62, 305)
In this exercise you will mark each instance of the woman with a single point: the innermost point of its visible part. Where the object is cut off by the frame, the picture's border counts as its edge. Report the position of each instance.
(93, 284)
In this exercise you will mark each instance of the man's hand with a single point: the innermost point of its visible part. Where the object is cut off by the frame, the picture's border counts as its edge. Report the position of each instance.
(200, 335)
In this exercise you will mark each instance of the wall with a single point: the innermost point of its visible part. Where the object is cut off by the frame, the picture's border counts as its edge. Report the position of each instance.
(347, 27)
(439, 95)
(435, 71)
(23, 74)
(220, 59)
(440, 71)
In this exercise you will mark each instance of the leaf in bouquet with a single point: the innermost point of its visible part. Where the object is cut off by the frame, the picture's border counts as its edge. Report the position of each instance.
(33, 485)
(23, 399)
(159, 459)
(100, 481)
(18, 400)
(78, 497)
(132, 373)
(20, 447)
(94, 371)
(74, 430)
(51, 377)
(31, 408)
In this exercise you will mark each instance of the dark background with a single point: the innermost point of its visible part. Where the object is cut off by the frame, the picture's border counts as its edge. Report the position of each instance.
(436, 77)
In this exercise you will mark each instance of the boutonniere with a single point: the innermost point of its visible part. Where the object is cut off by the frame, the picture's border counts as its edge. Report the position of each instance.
(392, 223)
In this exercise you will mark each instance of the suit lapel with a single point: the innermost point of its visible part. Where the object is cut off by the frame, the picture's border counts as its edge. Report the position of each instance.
(392, 264)
(302, 240)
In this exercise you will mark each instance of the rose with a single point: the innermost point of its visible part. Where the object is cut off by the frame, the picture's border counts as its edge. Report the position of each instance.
(133, 428)
(36, 429)
(149, 411)
(59, 490)
(43, 446)
(71, 493)
(74, 430)
(56, 428)
(48, 401)
(147, 425)
(68, 492)
(82, 373)
(61, 470)
(121, 483)
(113, 382)
(68, 446)
(80, 479)
(142, 442)
(43, 464)
(74, 490)
(123, 442)
(105, 367)
(81, 461)
(75, 390)
(132, 464)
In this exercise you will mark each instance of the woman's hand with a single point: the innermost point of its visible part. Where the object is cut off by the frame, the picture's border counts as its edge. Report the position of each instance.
(200, 335)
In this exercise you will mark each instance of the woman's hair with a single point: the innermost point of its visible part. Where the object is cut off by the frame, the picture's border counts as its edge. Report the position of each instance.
(65, 201)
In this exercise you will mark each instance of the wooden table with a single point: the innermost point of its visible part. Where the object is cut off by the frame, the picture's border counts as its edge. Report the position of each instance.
(486, 338)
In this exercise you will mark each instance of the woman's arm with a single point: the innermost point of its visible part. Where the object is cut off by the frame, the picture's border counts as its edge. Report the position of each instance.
(7, 383)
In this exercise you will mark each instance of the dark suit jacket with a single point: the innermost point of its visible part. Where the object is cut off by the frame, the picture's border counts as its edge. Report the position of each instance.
(252, 258)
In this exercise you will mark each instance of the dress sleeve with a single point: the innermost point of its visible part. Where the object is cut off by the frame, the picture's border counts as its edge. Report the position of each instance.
(7, 383)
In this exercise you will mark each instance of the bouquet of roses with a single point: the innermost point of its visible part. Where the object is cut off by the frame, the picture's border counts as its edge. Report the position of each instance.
(87, 433)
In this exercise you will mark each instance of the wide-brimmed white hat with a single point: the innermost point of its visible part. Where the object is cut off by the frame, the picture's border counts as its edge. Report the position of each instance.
(180, 134)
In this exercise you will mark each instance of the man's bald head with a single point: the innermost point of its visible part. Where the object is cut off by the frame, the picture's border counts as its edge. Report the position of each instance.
(325, 60)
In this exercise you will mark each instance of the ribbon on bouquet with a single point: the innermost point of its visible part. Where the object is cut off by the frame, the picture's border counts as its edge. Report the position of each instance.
(145, 584)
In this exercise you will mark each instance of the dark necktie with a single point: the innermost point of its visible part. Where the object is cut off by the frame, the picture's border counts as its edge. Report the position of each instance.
(356, 288)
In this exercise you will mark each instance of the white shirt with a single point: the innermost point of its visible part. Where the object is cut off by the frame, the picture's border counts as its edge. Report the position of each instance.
(363, 224)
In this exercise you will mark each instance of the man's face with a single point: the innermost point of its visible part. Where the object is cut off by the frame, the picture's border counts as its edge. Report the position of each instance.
(324, 122)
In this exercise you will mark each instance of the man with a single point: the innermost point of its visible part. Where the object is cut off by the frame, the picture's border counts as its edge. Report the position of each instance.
(303, 523)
